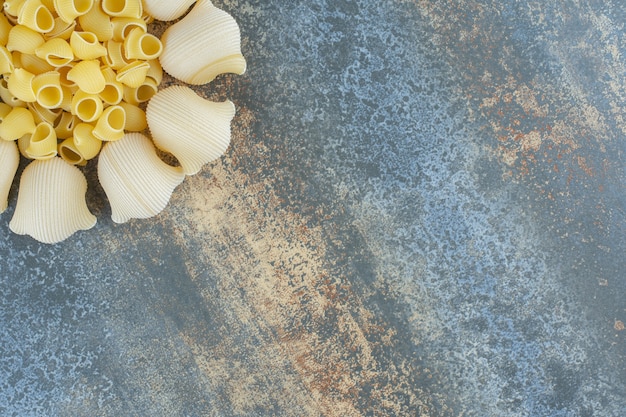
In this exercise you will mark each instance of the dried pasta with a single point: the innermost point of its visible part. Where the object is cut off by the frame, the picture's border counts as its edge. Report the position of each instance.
(110, 125)
(42, 143)
(87, 107)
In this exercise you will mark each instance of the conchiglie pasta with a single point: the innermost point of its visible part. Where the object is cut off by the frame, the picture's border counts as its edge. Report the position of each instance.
(47, 88)
(202, 45)
(69, 10)
(87, 76)
(135, 117)
(12, 7)
(87, 107)
(9, 161)
(87, 144)
(61, 29)
(6, 61)
(141, 45)
(56, 52)
(110, 125)
(5, 27)
(34, 15)
(43, 114)
(123, 8)
(85, 45)
(141, 94)
(24, 39)
(68, 151)
(42, 143)
(64, 124)
(97, 22)
(51, 202)
(20, 84)
(133, 74)
(113, 91)
(7, 96)
(196, 131)
(123, 25)
(34, 64)
(115, 55)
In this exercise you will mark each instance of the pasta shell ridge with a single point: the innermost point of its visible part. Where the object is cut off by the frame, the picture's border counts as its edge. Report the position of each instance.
(51, 202)
(9, 161)
(138, 184)
(167, 10)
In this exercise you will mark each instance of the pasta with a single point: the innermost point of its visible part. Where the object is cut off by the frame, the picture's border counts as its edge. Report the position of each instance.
(86, 143)
(70, 153)
(42, 143)
(68, 10)
(167, 10)
(194, 130)
(64, 124)
(85, 45)
(56, 52)
(123, 8)
(34, 15)
(87, 76)
(47, 88)
(87, 107)
(141, 45)
(42, 114)
(202, 45)
(110, 125)
(34, 64)
(137, 182)
(133, 74)
(6, 61)
(135, 117)
(51, 202)
(23, 39)
(121, 26)
(17, 123)
(97, 22)
(9, 161)
(113, 91)
(142, 93)
(61, 30)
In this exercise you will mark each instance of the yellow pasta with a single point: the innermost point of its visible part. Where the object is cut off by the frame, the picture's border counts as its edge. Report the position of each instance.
(64, 125)
(155, 72)
(12, 7)
(97, 22)
(87, 144)
(4, 110)
(61, 29)
(115, 55)
(56, 52)
(87, 76)
(86, 46)
(34, 64)
(68, 94)
(24, 39)
(110, 126)
(70, 153)
(88, 107)
(123, 25)
(42, 114)
(47, 88)
(5, 28)
(42, 143)
(6, 95)
(6, 61)
(141, 45)
(135, 117)
(123, 8)
(33, 14)
(141, 94)
(113, 91)
(20, 84)
(69, 10)
(133, 74)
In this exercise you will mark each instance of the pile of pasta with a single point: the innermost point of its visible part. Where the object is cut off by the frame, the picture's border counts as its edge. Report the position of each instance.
(74, 74)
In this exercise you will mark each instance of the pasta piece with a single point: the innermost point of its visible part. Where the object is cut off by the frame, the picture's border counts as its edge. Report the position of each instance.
(64, 125)
(115, 56)
(87, 144)
(135, 117)
(20, 85)
(62, 29)
(43, 114)
(123, 8)
(123, 25)
(110, 126)
(12, 7)
(155, 72)
(70, 153)
(56, 52)
(5, 109)
(202, 45)
(97, 22)
(87, 76)
(194, 130)
(34, 64)
(6, 61)
(69, 10)
(24, 40)
(6, 95)
(137, 182)
(49, 4)
(51, 202)
(86, 45)
(87, 107)
(113, 90)
(140, 94)
(42, 143)
(5, 28)
(9, 161)
(33, 14)
(167, 10)
(63, 73)
(133, 74)
(47, 88)
(68, 95)
(141, 45)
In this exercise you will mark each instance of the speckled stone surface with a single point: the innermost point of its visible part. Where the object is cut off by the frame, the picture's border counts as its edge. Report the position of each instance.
(422, 213)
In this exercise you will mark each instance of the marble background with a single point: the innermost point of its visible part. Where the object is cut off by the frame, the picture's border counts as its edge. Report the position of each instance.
(422, 213)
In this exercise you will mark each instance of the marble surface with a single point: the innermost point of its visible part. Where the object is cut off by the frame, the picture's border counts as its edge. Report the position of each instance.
(422, 213)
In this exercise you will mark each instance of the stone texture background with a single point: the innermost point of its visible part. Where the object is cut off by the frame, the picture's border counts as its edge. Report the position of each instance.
(422, 213)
